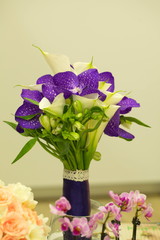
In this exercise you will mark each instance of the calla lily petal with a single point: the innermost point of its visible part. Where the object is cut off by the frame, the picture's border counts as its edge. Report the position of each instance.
(86, 102)
(80, 67)
(58, 63)
(57, 106)
(113, 98)
(44, 103)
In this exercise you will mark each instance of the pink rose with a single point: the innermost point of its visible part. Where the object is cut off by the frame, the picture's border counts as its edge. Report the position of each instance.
(9, 237)
(1, 232)
(31, 215)
(15, 206)
(5, 196)
(15, 225)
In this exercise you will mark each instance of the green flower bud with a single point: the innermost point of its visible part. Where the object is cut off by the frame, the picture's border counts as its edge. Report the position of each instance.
(97, 156)
(77, 106)
(96, 116)
(79, 115)
(58, 129)
(74, 136)
(53, 122)
(45, 122)
(78, 125)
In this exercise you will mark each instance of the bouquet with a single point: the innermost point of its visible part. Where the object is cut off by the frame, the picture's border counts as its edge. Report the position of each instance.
(67, 113)
(18, 218)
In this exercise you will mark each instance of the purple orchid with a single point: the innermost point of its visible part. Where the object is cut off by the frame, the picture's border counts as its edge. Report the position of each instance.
(112, 129)
(64, 82)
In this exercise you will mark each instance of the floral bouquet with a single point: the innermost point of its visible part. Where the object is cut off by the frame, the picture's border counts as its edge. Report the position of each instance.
(106, 223)
(67, 113)
(18, 219)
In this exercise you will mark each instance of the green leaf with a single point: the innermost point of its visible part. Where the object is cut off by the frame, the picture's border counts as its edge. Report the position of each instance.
(135, 120)
(127, 139)
(11, 124)
(29, 117)
(32, 101)
(27, 147)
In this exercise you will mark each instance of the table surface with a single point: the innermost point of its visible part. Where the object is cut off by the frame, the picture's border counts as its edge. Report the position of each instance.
(144, 231)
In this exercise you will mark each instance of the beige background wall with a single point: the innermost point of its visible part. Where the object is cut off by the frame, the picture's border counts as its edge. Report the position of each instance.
(124, 38)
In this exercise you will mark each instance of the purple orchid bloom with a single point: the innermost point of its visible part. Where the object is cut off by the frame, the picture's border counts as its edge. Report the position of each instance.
(27, 115)
(112, 129)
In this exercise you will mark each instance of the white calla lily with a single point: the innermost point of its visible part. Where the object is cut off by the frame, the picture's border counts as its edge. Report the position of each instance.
(103, 86)
(80, 67)
(87, 101)
(44, 103)
(58, 63)
(56, 107)
(113, 98)
(94, 137)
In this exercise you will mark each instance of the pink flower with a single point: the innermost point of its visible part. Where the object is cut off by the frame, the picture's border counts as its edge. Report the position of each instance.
(61, 206)
(113, 209)
(124, 200)
(15, 206)
(139, 199)
(93, 222)
(32, 216)
(9, 237)
(1, 232)
(81, 227)
(65, 224)
(107, 238)
(147, 211)
(114, 227)
(15, 225)
(5, 196)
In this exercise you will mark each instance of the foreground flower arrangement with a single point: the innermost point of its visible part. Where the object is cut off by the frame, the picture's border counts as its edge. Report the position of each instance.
(106, 223)
(18, 218)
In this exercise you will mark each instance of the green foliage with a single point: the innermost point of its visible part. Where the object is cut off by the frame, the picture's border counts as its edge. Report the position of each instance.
(27, 147)
(132, 119)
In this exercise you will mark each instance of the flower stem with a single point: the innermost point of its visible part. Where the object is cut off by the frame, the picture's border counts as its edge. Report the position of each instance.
(103, 234)
(135, 222)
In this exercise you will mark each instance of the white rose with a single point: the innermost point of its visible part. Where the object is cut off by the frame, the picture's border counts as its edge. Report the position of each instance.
(36, 233)
(3, 212)
(1, 183)
(24, 194)
(46, 228)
